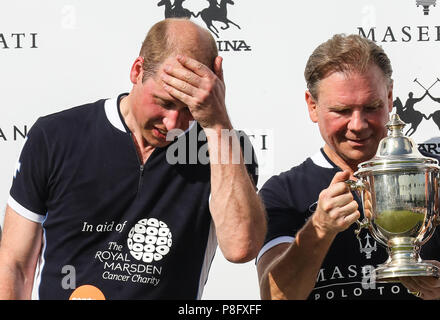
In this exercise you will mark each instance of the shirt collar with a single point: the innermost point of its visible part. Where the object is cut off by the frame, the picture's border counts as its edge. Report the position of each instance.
(114, 116)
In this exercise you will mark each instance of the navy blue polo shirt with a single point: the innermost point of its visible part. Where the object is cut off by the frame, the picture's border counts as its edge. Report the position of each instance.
(113, 227)
(291, 199)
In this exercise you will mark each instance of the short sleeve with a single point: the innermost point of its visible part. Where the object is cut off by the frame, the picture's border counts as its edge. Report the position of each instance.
(282, 220)
(28, 193)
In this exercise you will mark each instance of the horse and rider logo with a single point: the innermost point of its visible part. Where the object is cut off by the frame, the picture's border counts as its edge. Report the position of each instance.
(412, 116)
(214, 12)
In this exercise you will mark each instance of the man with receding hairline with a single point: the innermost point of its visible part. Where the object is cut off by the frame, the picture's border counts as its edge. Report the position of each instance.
(97, 210)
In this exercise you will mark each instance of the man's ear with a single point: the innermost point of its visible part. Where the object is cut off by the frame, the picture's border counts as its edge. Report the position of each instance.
(390, 97)
(311, 104)
(137, 72)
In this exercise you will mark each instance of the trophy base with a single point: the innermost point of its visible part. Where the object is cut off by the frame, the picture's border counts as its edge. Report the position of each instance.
(404, 261)
(391, 272)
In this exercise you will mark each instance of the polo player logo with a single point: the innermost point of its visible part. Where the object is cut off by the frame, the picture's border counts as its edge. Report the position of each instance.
(176, 10)
(368, 248)
(214, 12)
(217, 12)
(425, 4)
(414, 117)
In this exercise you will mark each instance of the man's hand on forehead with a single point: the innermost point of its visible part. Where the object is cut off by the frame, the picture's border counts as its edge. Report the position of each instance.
(202, 90)
(184, 75)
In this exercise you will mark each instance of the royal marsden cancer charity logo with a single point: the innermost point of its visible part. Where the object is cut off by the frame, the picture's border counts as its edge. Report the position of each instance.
(149, 240)
(212, 13)
(137, 260)
(425, 4)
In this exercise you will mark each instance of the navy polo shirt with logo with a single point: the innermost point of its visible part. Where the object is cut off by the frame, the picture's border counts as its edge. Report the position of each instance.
(291, 198)
(114, 228)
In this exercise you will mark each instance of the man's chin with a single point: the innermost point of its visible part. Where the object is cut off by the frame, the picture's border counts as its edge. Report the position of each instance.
(359, 157)
(156, 142)
(161, 144)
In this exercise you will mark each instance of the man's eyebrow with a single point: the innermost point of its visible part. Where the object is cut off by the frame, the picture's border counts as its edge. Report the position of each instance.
(157, 96)
(169, 103)
(373, 103)
(339, 107)
(162, 99)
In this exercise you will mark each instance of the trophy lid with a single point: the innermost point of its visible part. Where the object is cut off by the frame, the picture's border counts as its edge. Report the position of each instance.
(397, 152)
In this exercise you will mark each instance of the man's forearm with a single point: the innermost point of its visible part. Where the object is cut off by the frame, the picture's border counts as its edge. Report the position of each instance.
(13, 284)
(19, 251)
(236, 209)
(292, 275)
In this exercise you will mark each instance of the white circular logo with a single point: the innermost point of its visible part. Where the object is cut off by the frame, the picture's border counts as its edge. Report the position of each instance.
(150, 239)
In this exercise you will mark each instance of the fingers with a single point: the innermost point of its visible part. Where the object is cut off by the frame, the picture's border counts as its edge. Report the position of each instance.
(188, 80)
(180, 82)
(195, 66)
(338, 194)
(193, 72)
(184, 75)
(427, 287)
(338, 186)
(337, 209)
(199, 88)
(179, 86)
(171, 87)
(412, 287)
(368, 205)
(348, 220)
(339, 197)
(344, 211)
(331, 199)
(340, 177)
(346, 214)
(218, 67)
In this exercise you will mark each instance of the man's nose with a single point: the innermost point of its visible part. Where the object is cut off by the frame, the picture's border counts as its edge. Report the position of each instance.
(358, 121)
(171, 119)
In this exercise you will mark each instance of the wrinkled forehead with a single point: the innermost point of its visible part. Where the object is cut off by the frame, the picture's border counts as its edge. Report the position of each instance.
(372, 79)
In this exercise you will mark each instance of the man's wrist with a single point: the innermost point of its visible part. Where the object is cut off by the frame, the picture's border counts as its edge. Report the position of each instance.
(321, 232)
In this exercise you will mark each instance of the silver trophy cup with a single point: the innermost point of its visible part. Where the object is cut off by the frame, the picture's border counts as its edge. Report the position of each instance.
(399, 192)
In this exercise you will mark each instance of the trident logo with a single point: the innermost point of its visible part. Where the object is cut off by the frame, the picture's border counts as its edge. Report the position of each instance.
(368, 249)
(425, 4)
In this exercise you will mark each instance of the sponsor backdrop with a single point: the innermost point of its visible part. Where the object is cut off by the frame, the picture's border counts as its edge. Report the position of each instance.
(59, 54)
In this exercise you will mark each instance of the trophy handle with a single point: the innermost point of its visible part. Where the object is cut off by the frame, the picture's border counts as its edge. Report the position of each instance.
(358, 186)
(364, 224)
(355, 185)
(436, 219)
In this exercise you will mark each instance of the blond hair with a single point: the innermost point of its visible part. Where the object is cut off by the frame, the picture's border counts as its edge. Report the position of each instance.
(160, 43)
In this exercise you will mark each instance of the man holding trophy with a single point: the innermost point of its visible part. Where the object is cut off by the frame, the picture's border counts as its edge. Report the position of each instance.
(313, 248)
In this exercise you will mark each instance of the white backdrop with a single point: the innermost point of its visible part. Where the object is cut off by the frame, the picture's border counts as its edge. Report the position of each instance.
(56, 54)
